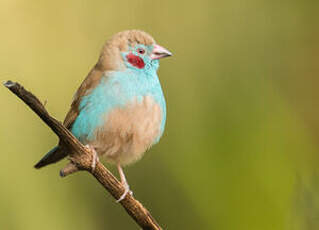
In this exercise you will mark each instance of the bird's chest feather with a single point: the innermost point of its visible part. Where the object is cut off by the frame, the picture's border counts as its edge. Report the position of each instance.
(129, 131)
(126, 109)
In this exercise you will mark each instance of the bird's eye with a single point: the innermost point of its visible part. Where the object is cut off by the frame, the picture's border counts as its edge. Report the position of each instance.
(140, 51)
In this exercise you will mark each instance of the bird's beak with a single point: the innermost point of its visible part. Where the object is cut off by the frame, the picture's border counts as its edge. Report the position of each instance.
(160, 52)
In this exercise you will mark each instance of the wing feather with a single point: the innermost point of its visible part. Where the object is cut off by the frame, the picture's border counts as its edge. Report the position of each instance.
(89, 83)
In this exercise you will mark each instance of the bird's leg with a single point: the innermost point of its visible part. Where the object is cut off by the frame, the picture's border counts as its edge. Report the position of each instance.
(124, 183)
(95, 157)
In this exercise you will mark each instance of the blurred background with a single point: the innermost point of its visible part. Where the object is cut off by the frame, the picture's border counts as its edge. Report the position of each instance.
(240, 149)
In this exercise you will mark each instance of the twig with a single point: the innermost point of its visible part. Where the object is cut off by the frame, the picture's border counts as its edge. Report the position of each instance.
(81, 158)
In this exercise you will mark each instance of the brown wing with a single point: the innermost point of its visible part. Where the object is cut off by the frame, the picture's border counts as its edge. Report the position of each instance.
(59, 152)
(89, 83)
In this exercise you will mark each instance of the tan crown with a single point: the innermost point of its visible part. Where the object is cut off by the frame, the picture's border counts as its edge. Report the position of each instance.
(110, 57)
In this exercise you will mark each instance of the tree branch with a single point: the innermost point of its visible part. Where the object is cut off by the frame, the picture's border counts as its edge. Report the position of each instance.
(81, 157)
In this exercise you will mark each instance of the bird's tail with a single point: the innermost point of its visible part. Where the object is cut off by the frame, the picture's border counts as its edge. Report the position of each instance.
(54, 155)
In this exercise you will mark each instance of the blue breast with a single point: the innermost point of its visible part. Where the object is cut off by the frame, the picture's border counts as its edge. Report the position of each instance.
(116, 89)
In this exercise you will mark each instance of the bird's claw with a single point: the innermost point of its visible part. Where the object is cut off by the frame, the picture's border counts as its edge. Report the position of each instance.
(95, 158)
(126, 191)
(94, 161)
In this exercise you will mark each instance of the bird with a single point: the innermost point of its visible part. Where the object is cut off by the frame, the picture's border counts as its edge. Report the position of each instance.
(119, 110)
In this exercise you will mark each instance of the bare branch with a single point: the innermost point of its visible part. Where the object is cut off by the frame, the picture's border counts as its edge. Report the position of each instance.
(81, 158)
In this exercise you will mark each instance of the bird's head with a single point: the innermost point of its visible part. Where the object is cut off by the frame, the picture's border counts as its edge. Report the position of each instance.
(133, 49)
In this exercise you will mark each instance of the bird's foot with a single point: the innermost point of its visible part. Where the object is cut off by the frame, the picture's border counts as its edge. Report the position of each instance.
(126, 191)
(95, 157)
(94, 161)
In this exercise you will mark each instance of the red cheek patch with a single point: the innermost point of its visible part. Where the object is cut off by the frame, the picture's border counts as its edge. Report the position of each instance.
(135, 61)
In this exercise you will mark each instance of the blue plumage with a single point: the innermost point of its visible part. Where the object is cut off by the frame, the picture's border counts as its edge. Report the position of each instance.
(117, 89)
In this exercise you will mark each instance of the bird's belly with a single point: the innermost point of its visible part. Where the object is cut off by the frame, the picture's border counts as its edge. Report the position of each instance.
(129, 131)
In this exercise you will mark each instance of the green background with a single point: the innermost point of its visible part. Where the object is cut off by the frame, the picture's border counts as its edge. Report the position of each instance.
(240, 151)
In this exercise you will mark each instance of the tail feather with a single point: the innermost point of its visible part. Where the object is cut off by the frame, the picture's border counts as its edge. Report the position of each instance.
(54, 155)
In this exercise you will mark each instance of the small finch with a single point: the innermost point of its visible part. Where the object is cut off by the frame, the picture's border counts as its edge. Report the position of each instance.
(119, 110)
